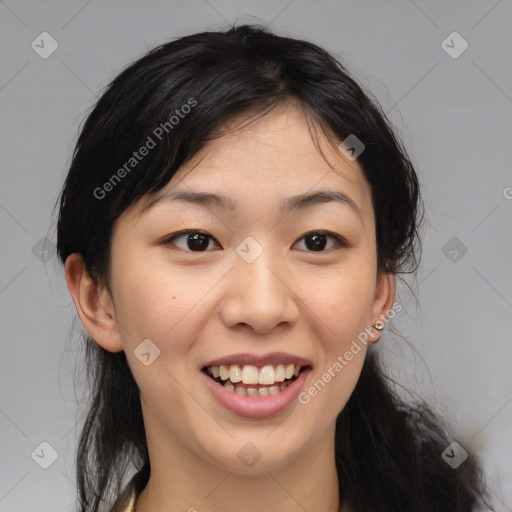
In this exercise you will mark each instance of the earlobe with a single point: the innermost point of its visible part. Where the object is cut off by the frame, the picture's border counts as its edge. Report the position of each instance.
(93, 304)
(383, 303)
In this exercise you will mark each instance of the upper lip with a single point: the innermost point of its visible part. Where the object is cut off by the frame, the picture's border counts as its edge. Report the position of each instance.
(262, 360)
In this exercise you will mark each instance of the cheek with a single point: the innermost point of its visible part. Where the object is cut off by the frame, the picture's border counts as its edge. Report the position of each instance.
(344, 304)
(327, 394)
(153, 300)
(343, 299)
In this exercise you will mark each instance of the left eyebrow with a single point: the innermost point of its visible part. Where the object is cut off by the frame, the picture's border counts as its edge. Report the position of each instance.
(298, 202)
(309, 199)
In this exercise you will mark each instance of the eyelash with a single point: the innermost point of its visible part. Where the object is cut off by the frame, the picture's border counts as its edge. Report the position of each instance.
(338, 239)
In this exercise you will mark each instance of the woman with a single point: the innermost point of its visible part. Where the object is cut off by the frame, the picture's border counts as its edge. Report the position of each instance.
(232, 224)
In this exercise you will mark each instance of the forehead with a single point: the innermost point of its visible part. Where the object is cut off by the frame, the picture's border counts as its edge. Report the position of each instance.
(267, 160)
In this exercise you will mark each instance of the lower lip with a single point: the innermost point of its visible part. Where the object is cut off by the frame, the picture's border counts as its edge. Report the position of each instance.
(257, 407)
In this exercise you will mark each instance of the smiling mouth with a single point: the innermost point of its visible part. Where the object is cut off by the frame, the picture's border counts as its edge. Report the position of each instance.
(253, 381)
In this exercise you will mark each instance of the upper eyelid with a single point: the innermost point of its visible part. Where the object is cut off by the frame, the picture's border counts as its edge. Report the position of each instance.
(169, 239)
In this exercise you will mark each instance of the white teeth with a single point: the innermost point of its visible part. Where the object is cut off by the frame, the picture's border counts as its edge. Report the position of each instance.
(235, 373)
(254, 392)
(267, 375)
(280, 373)
(250, 374)
(229, 386)
(273, 390)
(239, 390)
(224, 372)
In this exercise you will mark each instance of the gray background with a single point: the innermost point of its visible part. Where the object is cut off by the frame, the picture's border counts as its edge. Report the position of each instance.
(455, 115)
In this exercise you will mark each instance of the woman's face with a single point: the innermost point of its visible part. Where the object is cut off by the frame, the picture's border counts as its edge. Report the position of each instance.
(261, 285)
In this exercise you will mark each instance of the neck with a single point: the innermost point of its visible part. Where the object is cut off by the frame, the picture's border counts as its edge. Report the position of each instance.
(308, 481)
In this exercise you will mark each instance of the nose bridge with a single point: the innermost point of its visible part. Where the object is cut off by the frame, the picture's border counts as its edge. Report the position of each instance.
(258, 293)
(259, 277)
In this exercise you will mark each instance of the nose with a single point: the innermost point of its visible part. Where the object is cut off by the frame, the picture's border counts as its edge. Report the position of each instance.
(259, 295)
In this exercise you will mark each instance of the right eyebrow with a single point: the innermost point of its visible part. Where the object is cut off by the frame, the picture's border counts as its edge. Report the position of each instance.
(206, 199)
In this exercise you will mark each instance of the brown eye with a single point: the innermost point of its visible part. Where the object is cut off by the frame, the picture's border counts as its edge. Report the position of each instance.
(317, 241)
(194, 241)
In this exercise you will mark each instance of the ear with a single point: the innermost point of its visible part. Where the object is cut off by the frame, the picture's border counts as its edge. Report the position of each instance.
(383, 303)
(93, 304)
